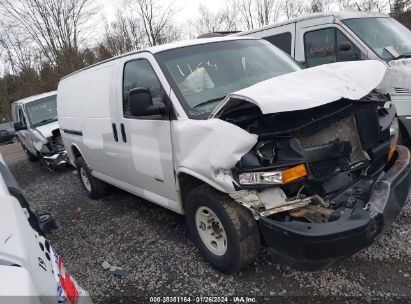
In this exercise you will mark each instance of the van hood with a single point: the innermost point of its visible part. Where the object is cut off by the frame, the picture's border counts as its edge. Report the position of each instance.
(46, 130)
(311, 87)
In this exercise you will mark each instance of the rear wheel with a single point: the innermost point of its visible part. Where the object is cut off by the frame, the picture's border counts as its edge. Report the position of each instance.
(94, 187)
(31, 157)
(225, 232)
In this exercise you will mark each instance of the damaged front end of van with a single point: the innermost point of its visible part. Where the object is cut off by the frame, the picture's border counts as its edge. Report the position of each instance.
(50, 147)
(314, 157)
(325, 187)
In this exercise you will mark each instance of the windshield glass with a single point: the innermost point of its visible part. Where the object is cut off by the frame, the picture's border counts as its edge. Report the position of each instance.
(380, 33)
(202, 75)
(42, 111)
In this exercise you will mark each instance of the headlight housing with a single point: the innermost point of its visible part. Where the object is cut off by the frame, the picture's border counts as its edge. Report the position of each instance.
(273, 177)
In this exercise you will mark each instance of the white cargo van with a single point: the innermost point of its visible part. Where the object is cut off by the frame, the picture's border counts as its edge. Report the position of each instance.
(323, 38)
(233, 134)
(35, 122)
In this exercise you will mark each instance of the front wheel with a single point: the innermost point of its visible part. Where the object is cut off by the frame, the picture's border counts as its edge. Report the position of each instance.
(225, 232)
(31, 157)
(94, 187)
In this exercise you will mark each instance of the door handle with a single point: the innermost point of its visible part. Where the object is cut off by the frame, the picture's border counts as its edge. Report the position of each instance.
(115, 132)
(123, 133)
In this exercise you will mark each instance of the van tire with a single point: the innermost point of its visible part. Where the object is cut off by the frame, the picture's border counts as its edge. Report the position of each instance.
(30, 156)
(95, 188)
(239, 226)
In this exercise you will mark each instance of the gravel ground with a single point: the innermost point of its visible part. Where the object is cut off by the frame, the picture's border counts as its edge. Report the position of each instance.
(153, 245)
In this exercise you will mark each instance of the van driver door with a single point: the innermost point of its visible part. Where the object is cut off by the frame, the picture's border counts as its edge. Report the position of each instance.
(145, 142)
(24, 134)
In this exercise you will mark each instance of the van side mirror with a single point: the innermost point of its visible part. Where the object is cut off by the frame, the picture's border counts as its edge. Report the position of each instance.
(18, 126)
(347, 53)
(344, 47)
(141, 103)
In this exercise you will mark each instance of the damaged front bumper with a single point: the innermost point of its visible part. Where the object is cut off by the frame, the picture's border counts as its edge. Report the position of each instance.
(57, 161)
(312, 246)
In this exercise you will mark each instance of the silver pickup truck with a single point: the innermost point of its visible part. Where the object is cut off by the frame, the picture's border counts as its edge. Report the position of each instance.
(316, 39)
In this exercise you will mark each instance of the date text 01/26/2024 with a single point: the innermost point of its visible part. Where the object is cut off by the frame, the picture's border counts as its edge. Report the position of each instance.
(202, 299)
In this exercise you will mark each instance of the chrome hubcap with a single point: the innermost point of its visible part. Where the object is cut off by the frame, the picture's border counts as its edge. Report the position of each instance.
(85, 179)
(211, 231)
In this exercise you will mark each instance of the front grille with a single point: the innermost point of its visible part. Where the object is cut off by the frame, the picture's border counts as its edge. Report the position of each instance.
(323, 168)
(401, 91)
(342, 128)
(323, 124)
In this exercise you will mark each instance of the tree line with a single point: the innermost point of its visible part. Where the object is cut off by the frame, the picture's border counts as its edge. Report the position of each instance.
(44, 40)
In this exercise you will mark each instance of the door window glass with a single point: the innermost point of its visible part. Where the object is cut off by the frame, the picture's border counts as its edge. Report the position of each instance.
(282, 41)
(320, 47)
(328, 46)
(22, 119)
(140, 74)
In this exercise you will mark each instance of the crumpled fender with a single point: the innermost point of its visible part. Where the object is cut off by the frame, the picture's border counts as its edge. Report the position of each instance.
(209, 149)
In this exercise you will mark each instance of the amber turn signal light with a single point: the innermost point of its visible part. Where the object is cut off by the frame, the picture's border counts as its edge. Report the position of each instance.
(294, 173)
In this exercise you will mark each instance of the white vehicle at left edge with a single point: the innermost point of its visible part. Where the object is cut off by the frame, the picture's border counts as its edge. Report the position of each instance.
(31, 271)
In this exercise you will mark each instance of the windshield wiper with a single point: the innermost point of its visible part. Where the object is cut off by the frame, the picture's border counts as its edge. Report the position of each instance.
(208, 102)
(405, 55)
(45, 121)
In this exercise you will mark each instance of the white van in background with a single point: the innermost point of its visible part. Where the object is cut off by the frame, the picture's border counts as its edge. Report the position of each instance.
(35, 121)
(323, 38)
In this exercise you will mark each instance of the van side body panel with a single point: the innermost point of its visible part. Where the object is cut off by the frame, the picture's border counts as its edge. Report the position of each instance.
(86, 114)
(143, 164)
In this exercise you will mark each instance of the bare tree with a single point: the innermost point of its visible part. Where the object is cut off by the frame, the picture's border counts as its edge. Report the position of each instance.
(53, 25)
(230, 18)
(209, 22)
(347, 5)
(401, 10)
(123, 35)
(18, 51)
(398, 7)
(294, 8)
(157, 20)
(256, 13)
(372, 5)
(319, 6)
(268, 11)
(245, 9)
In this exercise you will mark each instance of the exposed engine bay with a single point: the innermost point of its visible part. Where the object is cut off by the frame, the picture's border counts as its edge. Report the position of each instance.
(314, 165)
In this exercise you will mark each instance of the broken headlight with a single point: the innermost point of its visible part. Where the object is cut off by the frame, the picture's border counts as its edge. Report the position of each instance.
(266, 151)
(273, 177)
(394, 137)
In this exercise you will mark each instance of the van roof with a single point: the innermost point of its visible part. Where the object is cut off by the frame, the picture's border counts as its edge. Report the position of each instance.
(337, 15)
(35, 97)
(165, 47)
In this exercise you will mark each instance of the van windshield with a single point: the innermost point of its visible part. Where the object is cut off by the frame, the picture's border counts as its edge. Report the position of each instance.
(203, 75)
(380, 33)
(42, 111)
